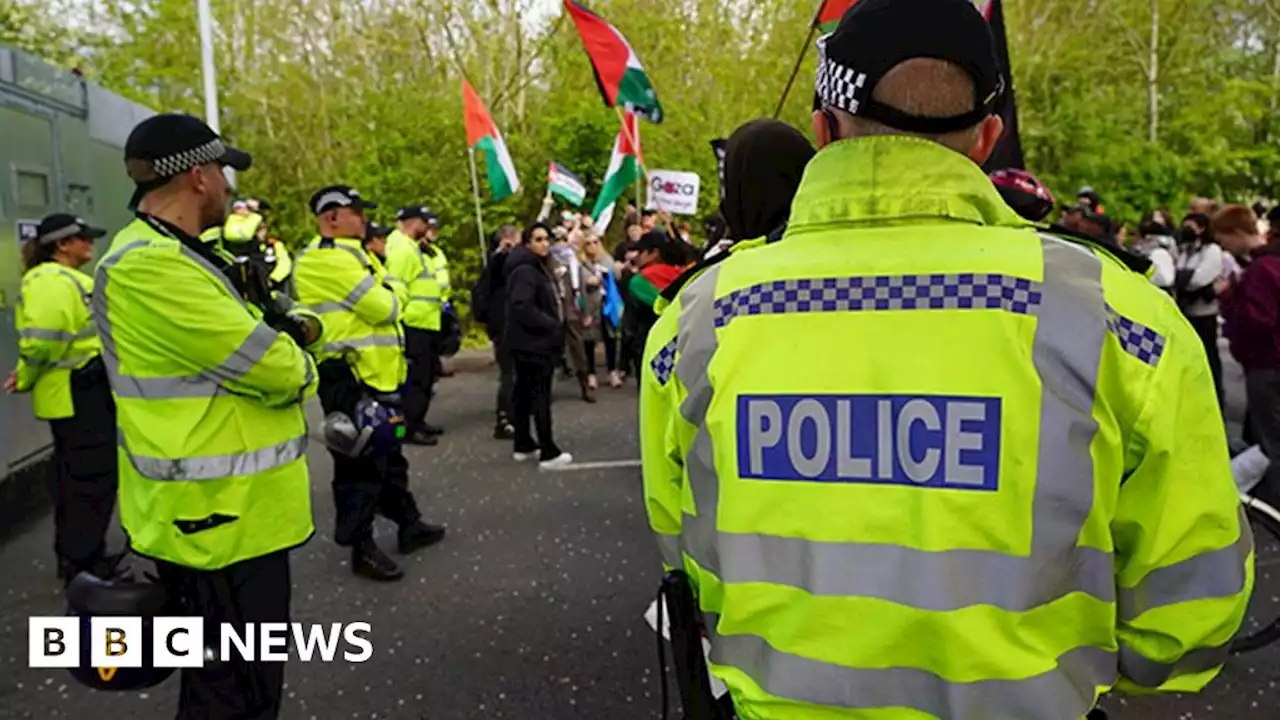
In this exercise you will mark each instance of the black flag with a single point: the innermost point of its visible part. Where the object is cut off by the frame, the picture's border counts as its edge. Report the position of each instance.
(718, 145)
(1008, 153)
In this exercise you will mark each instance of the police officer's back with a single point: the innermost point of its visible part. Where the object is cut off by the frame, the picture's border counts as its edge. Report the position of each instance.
(984, 476)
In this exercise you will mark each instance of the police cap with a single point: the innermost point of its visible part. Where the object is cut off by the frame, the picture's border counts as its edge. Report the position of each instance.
(337, 196)
(421, 212)
(875, 36)
(373, 230)
(60, 226)
(165, 146)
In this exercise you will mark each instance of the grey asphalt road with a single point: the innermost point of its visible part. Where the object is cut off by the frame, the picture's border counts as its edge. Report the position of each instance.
(530, 609)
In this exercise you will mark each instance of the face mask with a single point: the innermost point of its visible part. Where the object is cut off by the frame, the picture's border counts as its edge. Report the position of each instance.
(1187, 235)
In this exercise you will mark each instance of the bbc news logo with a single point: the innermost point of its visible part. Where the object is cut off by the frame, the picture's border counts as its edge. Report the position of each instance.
(179, 642)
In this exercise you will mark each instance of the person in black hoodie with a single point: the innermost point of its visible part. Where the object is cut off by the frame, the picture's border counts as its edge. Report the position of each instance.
(489, 306)
(535, 334)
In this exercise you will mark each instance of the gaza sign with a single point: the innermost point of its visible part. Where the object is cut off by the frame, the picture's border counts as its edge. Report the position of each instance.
(674, 191)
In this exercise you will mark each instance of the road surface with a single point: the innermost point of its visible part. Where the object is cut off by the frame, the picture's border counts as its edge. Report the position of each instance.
(530, 609)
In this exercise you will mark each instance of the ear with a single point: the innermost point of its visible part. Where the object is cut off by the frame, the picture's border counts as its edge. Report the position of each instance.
(821, 130)
(989, 133)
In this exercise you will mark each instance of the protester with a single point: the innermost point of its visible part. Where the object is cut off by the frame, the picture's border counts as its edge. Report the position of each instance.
(1251, 308)
(1024, 193)
(1202, 206)
(602, 310)
(764, 162)
(1199, 264)
(659, 261)
(534, 327)
(488, 306)
(1156, 243)
(568, 274)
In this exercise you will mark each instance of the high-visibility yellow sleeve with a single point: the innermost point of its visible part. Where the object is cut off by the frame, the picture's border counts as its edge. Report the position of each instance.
(1184, 552)
(207, 328)
(403, 261)
(662, 460)
(284, 264)
(46, 326)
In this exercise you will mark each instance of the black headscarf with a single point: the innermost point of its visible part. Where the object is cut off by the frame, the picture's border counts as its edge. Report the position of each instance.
(764, 161)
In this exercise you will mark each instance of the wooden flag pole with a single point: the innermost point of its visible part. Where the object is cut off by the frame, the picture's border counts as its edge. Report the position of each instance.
(475, 192)
(804, 50)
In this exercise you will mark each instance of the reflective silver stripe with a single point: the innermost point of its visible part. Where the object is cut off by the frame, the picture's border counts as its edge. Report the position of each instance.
(1152, 674)
(52, 335)
(1068, 345)
(1069, 690)
(425, 298)
(84, 294)
(669, 546)
(695, 345)
(214, 467)
(364, 287)
(243, 359)
(68, 363)
(395, 310)
(359, 255)
(365, 342)
(98, 308)
(1212, 574)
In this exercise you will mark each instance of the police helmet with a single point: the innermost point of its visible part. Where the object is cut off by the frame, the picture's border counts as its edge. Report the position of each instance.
(375, 427)
(89, 596)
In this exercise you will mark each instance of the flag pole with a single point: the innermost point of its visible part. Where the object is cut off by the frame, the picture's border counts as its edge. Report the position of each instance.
(804, 50)
(475, 193)
(635, 143)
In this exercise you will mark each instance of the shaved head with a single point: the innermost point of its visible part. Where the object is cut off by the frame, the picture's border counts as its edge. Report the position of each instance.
(928, 88)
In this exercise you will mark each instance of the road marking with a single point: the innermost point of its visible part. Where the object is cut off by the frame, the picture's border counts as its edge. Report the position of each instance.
(602, 465)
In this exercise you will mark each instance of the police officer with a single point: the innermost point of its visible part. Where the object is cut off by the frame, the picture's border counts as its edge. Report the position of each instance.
(362, 357)
(411, 258)
(916, 502)
(60, 364)
(212, 433)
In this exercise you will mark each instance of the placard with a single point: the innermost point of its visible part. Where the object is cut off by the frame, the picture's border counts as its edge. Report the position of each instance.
(674, 191)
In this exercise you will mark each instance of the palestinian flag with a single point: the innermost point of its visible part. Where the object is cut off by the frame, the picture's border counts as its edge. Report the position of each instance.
(565, 184)
(624, 168)
(482, 133)
(619, 74)
(830, 12)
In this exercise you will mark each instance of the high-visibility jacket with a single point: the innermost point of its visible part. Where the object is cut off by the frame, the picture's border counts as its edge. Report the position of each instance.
(928, 462)
(359, 304)
(213, 436)
(241, 228)
(55, 336)
(283, 262)
(407, 261)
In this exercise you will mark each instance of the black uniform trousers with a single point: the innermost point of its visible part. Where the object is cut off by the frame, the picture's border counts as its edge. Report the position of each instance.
(422, 351)
(365, 486)
(85, 481)
(251, 591)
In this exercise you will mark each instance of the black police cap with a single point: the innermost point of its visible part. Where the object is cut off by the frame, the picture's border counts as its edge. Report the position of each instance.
(875, 36)
(165, 146)
(374, 230)
(336, 196)
(60, 226)
(422, 212)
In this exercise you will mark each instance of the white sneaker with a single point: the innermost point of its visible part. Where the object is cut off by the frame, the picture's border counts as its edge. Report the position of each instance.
(556, 462)
(524, 456)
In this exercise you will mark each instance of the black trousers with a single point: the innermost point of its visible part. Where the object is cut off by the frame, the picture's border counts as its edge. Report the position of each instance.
(366, 486)
(1207, 328)
(1262, 387)
(421, 349)
(506, 376)
(252, 591)
(610, 351)
(532, 398)
(84, 455)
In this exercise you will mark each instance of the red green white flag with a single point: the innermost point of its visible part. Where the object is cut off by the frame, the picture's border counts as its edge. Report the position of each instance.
(483, 133)
(624, 169)
(830, 12)
(619, 74)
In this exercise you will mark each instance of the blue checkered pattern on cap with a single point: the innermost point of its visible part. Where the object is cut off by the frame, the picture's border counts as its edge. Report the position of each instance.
(1137, 339)
(664, 363)
(964, 291)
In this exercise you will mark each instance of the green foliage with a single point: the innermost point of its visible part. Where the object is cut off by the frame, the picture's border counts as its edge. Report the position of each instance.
(1149, 101)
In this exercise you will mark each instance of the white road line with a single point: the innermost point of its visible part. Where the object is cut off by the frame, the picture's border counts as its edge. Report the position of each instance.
(603, 465)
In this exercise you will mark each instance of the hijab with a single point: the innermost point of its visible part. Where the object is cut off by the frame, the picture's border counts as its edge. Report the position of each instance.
(764, 162)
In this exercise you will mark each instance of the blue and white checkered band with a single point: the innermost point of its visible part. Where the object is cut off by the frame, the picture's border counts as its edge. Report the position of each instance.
(838, 86)
(178, 163)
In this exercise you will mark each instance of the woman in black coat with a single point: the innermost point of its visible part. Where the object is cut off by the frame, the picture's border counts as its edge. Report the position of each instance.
(535, 336)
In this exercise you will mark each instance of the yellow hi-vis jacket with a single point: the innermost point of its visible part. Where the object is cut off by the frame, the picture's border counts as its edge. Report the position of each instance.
(360, 306)
(284, 263)
(209, 402)
(927, 462)
(55, 336)
(407, 261)
(241, 228)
